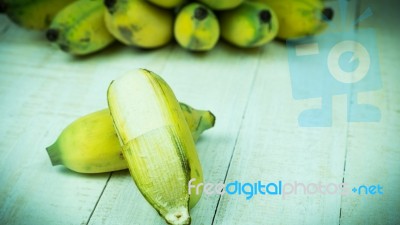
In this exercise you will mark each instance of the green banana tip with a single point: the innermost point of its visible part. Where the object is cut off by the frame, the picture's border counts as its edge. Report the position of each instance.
(328, 14)
(200, 13)
(109, 3)
(213, 118)
(54, 154)
(3, 7)
(52, 34)
(265, 16)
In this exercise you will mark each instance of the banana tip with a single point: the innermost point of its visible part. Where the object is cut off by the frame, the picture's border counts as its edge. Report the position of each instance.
(328, 14)
(52, 35)
(3, 7)
(178, 216)
(54, 154)
(200, 13)
(109, 3)
(213, 118)
(265, 16)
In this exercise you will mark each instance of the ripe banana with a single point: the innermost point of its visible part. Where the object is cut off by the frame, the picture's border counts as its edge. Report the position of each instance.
(196, 28)
(167, 3)
(252, 24)
(139, 23)
(90, 144)
(32, 14)
(156, 141)
(79, 28)
(222, 4)
(298, 19)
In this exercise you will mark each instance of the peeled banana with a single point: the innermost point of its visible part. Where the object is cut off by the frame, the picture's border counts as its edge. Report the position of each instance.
(79, 28)
(32, 14)
(90, 144)
(222, 4)
(139, 23)
(298, 19)
(156, 142)
(251, 24)
(196, 27)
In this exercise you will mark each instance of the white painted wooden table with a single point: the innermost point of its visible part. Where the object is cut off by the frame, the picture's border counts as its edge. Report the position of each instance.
(256, 137)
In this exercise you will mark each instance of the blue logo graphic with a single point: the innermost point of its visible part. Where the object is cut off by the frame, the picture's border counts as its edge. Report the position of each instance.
(336, 63)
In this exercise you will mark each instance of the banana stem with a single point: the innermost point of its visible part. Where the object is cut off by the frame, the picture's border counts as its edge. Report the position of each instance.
(213, 119)
(54, 154)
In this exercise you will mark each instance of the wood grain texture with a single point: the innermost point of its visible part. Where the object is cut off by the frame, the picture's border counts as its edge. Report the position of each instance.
(36, 103)
(256, 136)
(373, 150)
(272, 147)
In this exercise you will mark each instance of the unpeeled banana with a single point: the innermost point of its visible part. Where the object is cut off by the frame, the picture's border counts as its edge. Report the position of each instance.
(298, 19)
(251, 24)
(79, 28)
(156, 142)
(167, 3)
(222, 4)
(90, 144)
(196, 28)
(32, 14)
(139, 23)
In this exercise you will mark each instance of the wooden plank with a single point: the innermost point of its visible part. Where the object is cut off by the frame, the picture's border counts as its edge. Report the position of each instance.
(272, 148)
(373, 150)
(31, 190)
(42, 90)
(219, 81)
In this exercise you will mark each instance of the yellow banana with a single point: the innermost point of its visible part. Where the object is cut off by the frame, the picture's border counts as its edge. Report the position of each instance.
(156, 141)
(252, 24)
(79, 28)
(196, 28)
(90, 144)
(298, 19)
(222, 4)
(167, 3)
(139, 23)
(32, 14)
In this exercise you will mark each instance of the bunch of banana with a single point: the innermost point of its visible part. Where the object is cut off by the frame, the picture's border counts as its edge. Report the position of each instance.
(86, 26)
(222, 4)
(298, 19)
(196, 27)
(90, 143)
(251, 24)
(139, 23)
(156, 142)
(79, 28)
(32, 14)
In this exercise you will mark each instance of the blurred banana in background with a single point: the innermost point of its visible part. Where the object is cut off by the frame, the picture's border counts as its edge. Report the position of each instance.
(167, 3)
(298, 19)
(80, 29)
(32, 14)
(196, 28)
(221, 4)
(139, 23)
(90, 143)
(156, 142)
(251, 24)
